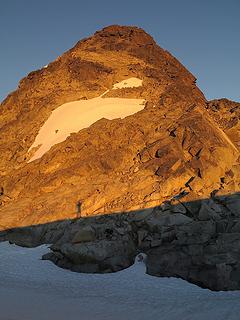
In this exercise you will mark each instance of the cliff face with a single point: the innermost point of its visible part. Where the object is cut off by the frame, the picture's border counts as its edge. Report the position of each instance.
(226, 114)
(152, 136)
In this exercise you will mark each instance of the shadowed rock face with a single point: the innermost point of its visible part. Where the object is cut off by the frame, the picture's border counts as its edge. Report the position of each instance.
(198, 241)
(178, 147)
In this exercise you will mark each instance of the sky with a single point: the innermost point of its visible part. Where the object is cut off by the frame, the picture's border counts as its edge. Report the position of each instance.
(204, 35)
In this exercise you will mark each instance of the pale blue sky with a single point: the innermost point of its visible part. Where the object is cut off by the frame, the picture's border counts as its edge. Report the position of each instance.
(204, 35)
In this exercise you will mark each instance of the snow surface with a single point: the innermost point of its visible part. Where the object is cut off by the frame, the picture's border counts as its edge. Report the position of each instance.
(73, 116)
(128, 83)
(32, 289)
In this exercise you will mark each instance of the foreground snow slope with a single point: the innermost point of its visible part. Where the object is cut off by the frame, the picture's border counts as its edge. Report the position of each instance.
(32, 289)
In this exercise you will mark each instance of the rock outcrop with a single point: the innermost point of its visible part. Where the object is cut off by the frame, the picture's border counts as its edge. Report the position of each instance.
(170, 171)
(197, 241)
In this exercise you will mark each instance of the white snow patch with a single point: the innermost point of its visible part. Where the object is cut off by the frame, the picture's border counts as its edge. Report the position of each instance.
(34, 289)
(128, 83)
(76, 115)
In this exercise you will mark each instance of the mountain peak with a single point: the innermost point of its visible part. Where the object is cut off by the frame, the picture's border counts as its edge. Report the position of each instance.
(148, 136)
(131, 33)
(122, 38)
(116, 125)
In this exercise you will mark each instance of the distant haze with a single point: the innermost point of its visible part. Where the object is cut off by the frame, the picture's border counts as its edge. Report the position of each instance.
(203, 35)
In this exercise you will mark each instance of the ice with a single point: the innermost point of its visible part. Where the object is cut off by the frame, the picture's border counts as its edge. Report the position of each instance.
(128, 83)
(31, 288)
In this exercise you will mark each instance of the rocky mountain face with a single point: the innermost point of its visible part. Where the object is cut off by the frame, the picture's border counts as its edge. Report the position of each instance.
(163, 180)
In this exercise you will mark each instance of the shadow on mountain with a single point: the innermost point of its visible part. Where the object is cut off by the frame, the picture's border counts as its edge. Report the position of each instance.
(198, 241)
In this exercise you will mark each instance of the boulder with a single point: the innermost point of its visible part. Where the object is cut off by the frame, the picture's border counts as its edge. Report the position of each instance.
(95, 257)
(207, 213)
(85, 234)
